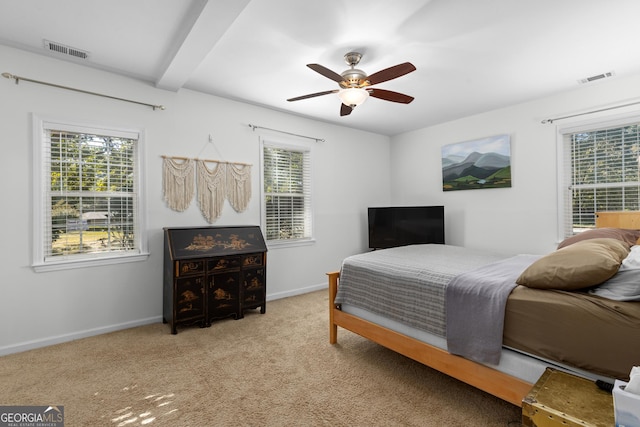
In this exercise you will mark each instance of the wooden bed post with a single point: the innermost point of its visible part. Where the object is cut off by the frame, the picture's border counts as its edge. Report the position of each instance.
(333, 290)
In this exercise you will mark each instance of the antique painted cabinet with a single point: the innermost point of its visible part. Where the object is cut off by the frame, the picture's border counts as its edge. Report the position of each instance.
(212, 273)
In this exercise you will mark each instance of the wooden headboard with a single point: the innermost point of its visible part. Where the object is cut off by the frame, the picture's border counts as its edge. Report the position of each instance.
(618, 219)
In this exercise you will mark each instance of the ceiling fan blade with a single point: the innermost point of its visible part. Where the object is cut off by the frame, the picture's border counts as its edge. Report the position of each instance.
(345, 110)
(326, 72)
(391, 73)
(389, 95)
(313, 95)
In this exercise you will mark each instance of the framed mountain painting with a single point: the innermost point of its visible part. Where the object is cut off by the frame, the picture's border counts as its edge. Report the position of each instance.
(481, 163)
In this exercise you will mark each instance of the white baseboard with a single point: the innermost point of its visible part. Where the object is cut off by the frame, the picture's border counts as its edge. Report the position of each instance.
(30, 345)
(300, 291)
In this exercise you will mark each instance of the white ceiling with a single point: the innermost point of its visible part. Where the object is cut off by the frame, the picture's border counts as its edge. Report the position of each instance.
(471, 56)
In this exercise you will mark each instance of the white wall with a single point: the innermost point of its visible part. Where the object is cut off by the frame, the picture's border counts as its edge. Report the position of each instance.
(520, 219)
(38, 309)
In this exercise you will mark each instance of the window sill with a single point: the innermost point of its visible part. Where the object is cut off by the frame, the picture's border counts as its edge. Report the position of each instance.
(281, 244)
(93, 262)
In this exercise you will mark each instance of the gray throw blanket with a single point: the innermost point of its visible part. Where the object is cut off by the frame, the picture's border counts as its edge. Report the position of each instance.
(475, 307)
(407, 283)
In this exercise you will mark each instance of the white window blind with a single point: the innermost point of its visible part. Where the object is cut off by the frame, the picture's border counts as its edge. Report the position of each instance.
(286, 193)
(600, 173)
(89, 194)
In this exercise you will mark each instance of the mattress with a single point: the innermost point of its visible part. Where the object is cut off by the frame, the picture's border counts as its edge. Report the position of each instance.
(576, 331)
(527, 367)
(589, 332)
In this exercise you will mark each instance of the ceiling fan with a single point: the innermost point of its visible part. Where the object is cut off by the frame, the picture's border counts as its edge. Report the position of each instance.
(355, 85)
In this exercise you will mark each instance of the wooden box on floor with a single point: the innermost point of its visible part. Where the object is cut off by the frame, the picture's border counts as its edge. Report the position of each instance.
(560, 399)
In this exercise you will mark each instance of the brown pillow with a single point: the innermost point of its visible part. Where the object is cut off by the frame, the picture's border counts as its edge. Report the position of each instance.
(622, 234)
(580, 265)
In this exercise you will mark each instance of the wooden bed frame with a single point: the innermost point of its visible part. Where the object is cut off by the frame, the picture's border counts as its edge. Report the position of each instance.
(499, 384)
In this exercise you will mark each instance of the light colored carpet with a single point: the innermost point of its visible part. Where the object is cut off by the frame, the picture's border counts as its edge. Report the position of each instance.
(272, 369)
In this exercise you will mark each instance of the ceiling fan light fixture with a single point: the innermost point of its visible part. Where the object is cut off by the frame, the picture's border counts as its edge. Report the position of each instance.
(353, 96)
(355, 85)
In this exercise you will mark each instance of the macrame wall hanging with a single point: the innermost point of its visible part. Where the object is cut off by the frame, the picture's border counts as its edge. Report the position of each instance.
(177, 182)
(211, 189)
(224, 180)
(238, 186)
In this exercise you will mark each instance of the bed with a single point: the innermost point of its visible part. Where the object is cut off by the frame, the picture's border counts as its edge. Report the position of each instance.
(538, 322)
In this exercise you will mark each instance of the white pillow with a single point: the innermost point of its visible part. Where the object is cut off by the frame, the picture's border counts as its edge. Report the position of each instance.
(625, 284)
(632, 261)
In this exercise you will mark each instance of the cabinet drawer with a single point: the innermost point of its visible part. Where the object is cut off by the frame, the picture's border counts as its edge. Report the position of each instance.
(226, 263)
(253, 260)
(184, 268)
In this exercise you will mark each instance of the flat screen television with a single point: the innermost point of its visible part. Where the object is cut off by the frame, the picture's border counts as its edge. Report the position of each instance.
(405, 225)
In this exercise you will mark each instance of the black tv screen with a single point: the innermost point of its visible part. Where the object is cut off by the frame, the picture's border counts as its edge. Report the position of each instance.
(405, 225)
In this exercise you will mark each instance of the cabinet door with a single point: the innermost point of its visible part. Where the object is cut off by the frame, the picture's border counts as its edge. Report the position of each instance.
(189, 298)
(224, 295)
(253, 288)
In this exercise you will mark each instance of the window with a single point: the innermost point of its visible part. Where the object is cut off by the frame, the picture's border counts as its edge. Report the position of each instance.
(600, 171)
(286, 176)
(87, 207)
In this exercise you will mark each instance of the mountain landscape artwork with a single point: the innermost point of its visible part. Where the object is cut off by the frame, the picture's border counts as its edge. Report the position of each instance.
(481, 163)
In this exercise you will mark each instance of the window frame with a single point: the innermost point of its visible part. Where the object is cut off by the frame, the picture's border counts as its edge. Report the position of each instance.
(41, 206)
(564, 165)
(300, 147)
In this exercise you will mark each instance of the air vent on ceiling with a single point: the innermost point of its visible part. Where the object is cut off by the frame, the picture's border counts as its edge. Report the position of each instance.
(597, 77)
(65, 50)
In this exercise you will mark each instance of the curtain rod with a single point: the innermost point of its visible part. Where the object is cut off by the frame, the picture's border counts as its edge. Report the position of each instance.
(18, 78)
(254, 127)
(205, 160)
(590, 112)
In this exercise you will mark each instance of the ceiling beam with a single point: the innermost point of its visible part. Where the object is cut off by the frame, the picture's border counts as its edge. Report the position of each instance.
(211, 19)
